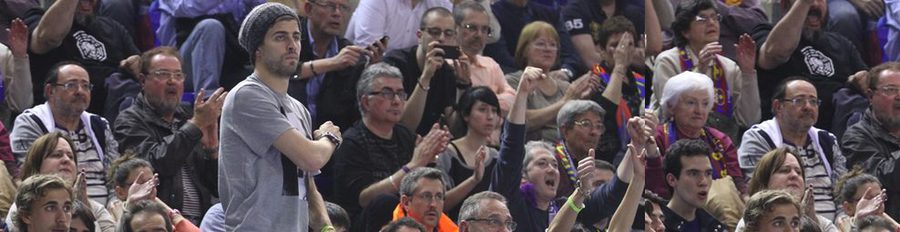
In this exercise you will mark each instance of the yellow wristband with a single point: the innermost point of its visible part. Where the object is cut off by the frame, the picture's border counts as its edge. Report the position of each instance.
(572, 205)
(328, 228)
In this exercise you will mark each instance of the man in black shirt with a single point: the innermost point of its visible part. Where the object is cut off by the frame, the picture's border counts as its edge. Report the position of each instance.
(801, 45)
(582, 19)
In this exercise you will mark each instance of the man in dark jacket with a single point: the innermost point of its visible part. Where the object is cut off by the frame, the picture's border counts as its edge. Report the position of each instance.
(874, 142)
(689, 175)
(181, 144)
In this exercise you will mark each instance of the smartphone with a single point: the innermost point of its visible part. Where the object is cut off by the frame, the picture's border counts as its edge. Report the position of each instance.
(450, 52)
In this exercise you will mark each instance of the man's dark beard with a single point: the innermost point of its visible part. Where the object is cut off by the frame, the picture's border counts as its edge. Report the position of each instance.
(84, 19)
(276, 68)
(811, 34)
(162, 106)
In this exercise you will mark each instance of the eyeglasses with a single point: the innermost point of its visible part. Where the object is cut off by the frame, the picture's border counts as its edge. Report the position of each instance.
(332, 7)
(475, 28)
(427, 197)
(72, 86)
(436, 32)
(164, 75)
(710, 18)
(493, 222)
(388, 94)
(587, 123)
(889, 91)
(803, 101)
(541, 44)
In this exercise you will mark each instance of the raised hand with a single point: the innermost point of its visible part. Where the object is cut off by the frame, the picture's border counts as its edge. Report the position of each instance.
(350, 56)
(707, 55)
(81, 188)
(586, 170)
(625, 50)
(746, 54)
(581, 88)
(870, 206)
(18, 38)
(872, 8)
(206, 112)
(639, 160)
(433, 61)
(461, 67)
(143, 190)
(528, 81)
(377, 50)
(429, 146)
(480, 157)
(808, 202)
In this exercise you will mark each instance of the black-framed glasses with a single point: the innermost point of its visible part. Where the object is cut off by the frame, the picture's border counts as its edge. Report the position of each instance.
(709, 18)
(165, 75)
(493, 222)
(889, 91)
(72, 86)
(803, 101)
(388, 94)
(332, 7)
(436, 32)
(428, 197)
(475, 28)
(587, 123)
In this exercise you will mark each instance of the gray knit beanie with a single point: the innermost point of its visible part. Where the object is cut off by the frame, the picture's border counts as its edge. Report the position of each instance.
(258, 21)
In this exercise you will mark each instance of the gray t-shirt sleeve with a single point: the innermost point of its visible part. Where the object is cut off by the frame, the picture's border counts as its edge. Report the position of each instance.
(252, 104)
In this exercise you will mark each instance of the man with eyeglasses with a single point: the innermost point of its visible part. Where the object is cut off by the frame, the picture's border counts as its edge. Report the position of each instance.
(422, 198)
(803, 44)
(396, 19)
(485, 211)
(68, 92)
(874, 142)
(796, 107)
(181, 143)
(472, 25)
(430, 81)
(378, 151)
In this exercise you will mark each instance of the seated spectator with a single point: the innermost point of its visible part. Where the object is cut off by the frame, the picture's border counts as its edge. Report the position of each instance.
(582, 19)
(697, 49)
(374, 20)
(538, 47)
(52, 154)
(206, 34)
(97, 42)
(46, 202)
(689, 175)
(125, 171)
(653, 221)
(378, 151)
(149, 215)
(513, 17)
(623, 85)
(686, 103)
(469, 157)
(338, 217)
(404, 225)
(857, 192)
(472, 24)
(421, 198)
(17, 81)
(485, 211)
(875, 224)
(181, 142)
(781, 169)
(795, 104)
(82, 218)
(852, 19)
(581, 125)
(429, 80)
(772, 210)
(68, 90)
(800, 44)
(874, 141)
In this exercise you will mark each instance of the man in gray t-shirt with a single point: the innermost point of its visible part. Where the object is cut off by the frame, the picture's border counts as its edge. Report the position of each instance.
(267, 143)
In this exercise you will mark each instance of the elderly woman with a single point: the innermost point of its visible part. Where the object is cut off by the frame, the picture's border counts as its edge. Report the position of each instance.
(782, 170)
(686, 102)
(697, 49)
(772, 210)
(538, 47)
(51, 154)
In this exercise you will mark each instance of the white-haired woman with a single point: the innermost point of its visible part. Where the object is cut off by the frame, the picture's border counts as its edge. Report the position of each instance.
(686, 102)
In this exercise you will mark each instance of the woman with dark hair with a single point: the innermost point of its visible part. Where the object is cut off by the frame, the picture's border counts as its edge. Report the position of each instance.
(697, 49)
(52, 154)
(538, 47)
(82, 218)
(860, 195)
(782, 170)
(124, 172)
(478, 117)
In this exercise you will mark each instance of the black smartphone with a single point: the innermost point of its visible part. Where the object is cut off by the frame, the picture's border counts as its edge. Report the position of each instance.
(450, 52)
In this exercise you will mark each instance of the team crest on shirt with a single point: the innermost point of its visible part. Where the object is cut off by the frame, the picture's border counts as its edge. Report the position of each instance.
(817, 62)
(89, 47)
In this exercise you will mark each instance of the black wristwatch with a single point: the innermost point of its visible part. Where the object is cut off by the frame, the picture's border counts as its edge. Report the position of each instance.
(331, 138)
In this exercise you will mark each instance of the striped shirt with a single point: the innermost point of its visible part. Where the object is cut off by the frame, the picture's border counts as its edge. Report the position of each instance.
(817, 176)
(89, 161)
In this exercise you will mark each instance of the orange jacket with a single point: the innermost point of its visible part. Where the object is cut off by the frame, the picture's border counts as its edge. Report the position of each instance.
(444, 224)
